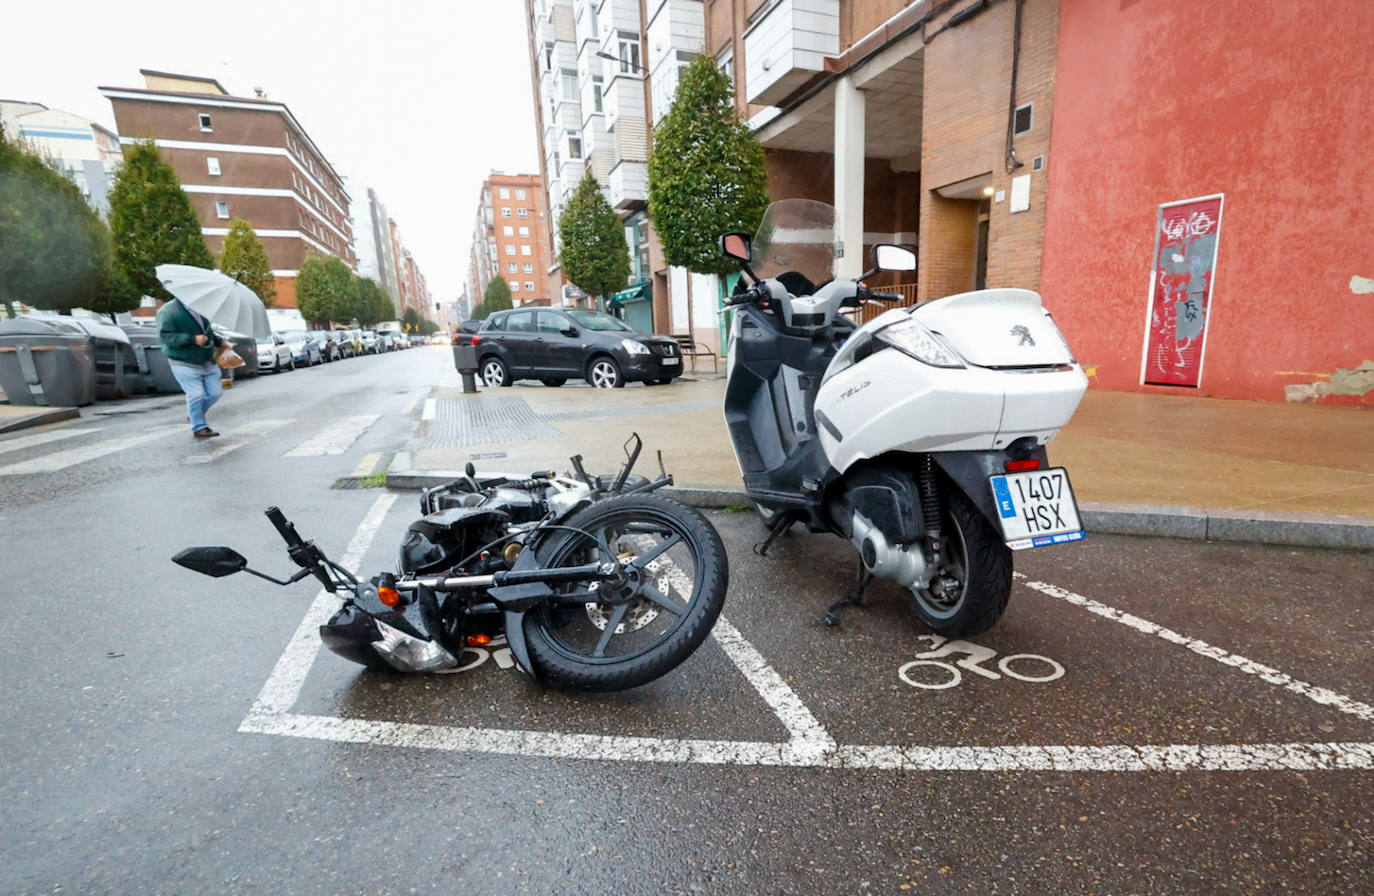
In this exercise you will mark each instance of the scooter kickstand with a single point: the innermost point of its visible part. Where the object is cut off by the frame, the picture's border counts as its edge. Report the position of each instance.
(781, 524)
(854, 596)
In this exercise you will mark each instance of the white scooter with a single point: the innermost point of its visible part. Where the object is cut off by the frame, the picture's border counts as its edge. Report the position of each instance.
(919, 436)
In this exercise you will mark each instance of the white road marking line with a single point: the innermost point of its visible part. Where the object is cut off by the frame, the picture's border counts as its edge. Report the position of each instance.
(239, 439)
(430, 411)
(335, 439)
(43, 438)
(410, 405)
(60, 460)
(1324, 696)
(367, 464)
(1114, 758)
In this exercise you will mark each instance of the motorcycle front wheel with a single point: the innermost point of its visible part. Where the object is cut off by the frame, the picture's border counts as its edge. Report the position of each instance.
(970, 590)
(598, 636)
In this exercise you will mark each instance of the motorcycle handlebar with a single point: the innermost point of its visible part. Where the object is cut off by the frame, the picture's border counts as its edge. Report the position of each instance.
(286, 529)
(881, 296)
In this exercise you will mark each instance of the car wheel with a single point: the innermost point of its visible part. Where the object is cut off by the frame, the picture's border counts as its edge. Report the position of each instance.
(604, 373)
(495, 372)
(292, 365)
(553, 383)
(276, 366)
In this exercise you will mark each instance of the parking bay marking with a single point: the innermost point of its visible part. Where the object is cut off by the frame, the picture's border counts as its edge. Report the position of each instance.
(43, 438)
(335, 439)
(810, 745)
(245, 432)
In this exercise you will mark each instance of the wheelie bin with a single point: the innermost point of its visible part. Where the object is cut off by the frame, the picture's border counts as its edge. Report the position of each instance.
(46, 362)
(154, 370)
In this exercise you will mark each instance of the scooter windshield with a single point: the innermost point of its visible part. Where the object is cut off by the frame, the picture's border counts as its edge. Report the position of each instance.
(796, 235)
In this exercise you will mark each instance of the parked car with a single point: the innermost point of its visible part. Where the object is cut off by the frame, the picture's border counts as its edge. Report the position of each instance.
(403, 340)
(371, 345)
(471, 326)
(329, 349)
(245, 347)
(554, 346)
(386, 341)
(304, 350)
(345, 343)
(274, 354)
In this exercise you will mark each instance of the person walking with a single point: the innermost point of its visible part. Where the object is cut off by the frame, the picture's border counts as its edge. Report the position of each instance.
(190, 343)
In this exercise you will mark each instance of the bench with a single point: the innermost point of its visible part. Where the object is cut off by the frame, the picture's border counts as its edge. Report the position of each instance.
(692, 349)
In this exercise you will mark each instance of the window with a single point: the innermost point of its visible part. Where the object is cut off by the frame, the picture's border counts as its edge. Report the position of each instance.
(205, 122)
(520, 194)
(726, 63)
(629, 51)
(596, 92)
(508, 230)
(520, 321)
(524, 231)
(222, 209)
(529, 268)
(569, 80)
(525, 250)
(574, 147)
(496, 323)
(1023, 119)
(515, 287)
(529, 286)
(510, 267)
(212, 165)
(524, 212)
(504, 192)
(510, 249)
(505, 212)
(549, 322)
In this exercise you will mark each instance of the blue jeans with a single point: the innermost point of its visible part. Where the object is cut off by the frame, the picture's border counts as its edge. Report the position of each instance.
(202, 387)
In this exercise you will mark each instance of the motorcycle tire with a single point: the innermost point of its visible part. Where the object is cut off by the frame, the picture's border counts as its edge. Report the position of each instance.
(560, 637)
(972, 588)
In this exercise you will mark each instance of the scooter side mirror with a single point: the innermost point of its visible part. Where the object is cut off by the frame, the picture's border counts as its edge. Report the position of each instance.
(737, 246)
(888, 257)
(215, 562)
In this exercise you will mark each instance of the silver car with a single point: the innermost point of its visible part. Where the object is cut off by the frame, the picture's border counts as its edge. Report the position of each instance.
(274, 354)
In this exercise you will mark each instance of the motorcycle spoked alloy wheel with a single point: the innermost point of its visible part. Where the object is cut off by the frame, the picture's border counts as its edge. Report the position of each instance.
(609, 636)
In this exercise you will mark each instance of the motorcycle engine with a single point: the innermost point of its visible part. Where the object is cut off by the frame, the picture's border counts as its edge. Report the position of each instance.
(437, 541)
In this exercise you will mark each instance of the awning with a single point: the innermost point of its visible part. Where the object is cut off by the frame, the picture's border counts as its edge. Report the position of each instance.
(636, 293)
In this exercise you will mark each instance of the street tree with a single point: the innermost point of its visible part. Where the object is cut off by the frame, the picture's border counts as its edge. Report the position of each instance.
(152, 221)
(497, 296)
(411, 320)
(54, 249)
(245, 259)
(479, 311)
(383, 308)
(324, 289)
(370, 303)
(706, 172)
(592, 245)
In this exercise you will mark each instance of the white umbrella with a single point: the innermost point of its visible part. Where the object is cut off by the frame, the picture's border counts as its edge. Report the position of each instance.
(223, 300)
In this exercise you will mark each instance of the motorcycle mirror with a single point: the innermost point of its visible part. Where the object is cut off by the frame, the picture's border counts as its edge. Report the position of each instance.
(737, 246)
(215, 562)
(888, 257)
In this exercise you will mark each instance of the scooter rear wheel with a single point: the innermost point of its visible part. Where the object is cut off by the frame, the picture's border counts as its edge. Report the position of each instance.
(677, 575)
(970, 591)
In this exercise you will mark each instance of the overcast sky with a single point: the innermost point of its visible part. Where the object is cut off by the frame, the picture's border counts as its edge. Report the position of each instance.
(419, 100)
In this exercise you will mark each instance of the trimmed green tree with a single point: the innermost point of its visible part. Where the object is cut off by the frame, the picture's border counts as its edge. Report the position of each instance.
(706, 172)
(370, 303)
(54, 249)
(411, 320)
(497, 296)
(383, 307)
(592, 244)
(245, 259)
(479, 311)
(152, 221)
(324, 289)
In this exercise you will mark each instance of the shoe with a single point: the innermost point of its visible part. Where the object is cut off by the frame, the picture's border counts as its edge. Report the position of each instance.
(206, 433)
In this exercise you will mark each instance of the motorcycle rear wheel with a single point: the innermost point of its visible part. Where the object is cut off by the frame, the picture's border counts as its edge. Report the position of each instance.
(645, 627)
(971, 590)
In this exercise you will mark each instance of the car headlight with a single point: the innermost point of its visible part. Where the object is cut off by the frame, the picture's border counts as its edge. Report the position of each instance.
(910, 337)
(634, 348)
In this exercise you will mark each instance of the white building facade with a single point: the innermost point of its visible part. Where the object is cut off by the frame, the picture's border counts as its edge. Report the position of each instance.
(86, 153)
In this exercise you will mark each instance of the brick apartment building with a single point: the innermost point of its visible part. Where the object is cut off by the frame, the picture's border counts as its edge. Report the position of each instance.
(242, 157)
(510, 239)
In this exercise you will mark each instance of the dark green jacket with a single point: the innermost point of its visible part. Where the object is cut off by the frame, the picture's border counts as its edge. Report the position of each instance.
(178, 331)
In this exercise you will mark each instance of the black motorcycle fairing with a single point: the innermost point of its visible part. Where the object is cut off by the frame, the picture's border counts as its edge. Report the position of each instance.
(970, 470)
(434, 543)
(885, 492)
(350, 633)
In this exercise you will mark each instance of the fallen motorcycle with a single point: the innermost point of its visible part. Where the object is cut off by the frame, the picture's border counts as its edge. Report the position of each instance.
(597, 583)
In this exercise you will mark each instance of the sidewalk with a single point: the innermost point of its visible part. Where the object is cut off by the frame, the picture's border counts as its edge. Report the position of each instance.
(13, 417)
(1141, 464)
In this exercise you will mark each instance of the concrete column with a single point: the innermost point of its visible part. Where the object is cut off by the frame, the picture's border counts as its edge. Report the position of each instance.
(849, 177)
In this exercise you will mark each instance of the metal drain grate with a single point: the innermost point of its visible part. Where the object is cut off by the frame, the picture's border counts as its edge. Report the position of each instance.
(459, 422)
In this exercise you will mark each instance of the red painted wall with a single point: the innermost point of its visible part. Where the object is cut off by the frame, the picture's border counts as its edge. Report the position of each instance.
(1270, 103)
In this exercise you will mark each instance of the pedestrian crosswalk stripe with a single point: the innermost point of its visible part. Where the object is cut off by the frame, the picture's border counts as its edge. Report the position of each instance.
(43, 438)
(336, 439)
(237, 439)
(60, 460)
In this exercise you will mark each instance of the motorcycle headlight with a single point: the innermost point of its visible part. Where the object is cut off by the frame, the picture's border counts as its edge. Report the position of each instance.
(634, 348)
(910, 337)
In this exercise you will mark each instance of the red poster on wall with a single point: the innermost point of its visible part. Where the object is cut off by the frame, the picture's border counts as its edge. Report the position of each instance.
(1186, 236)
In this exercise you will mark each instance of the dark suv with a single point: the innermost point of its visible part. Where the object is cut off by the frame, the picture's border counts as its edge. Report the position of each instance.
(555, 345)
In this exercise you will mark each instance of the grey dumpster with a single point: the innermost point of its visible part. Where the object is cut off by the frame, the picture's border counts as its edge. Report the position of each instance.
(46, 363)
(465, 359)
(116, 368)
(154, 371)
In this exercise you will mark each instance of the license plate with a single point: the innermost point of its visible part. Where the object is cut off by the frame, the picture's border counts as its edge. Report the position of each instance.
(1036, 508)
(671, 361)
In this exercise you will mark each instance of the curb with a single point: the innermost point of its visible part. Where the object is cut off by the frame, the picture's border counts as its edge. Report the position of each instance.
(1253, 527)
(39, 418)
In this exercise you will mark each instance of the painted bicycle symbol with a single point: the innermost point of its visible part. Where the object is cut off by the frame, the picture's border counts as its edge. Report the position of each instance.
(496, 650)
(1021, 666)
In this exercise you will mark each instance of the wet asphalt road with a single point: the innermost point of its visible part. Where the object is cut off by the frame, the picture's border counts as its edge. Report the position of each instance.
(125, 770)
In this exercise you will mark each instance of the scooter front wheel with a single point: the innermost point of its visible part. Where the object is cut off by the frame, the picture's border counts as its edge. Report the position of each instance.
(969, 592)
(599, 636)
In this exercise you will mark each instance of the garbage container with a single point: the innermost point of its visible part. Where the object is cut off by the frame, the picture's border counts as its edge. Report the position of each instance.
(465, 359)
(116, 368)
(46, 363)
(154, 370)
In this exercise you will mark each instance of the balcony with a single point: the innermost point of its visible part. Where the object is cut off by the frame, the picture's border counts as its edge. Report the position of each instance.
(629, 185)
(787, 46)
